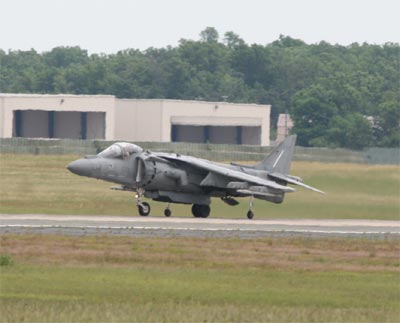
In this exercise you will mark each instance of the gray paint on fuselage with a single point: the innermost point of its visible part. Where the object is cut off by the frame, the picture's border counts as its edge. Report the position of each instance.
(184, 179)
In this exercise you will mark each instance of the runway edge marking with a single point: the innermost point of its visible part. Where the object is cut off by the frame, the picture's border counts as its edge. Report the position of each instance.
(34, 226)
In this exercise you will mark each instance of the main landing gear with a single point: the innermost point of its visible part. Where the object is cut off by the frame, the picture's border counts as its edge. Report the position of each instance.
(200, 210)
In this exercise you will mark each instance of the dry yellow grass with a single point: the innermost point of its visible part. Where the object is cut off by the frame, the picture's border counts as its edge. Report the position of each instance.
(309, 254)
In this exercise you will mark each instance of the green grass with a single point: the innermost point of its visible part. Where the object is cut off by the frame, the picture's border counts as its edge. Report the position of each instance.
(49, 293)
(117, 279)
(103, 279)
(41, 184)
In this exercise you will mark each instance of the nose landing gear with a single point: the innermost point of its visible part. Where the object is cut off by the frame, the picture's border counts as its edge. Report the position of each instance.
(143, 207)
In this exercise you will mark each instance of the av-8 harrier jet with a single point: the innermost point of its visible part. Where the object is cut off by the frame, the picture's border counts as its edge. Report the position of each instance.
(175, 178)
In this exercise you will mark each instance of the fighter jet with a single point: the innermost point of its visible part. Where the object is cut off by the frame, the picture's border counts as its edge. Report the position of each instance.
(176, 178)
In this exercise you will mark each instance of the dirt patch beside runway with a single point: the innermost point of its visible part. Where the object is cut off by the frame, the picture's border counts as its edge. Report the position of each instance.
(278, 253)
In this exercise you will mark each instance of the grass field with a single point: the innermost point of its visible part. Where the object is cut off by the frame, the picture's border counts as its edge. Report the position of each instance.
(130, 279)
(99, 279)
(42, 184)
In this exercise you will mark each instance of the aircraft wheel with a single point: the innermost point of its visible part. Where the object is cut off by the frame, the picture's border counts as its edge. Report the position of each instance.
(205, 211)
(196, 210)
(200, 211)
(250, 214)
(167, 212)
(144, 209)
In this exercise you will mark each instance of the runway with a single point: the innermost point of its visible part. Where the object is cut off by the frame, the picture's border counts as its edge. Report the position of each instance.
(162, 226)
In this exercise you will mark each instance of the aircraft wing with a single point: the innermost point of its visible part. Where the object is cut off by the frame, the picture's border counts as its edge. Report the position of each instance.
(233, 175)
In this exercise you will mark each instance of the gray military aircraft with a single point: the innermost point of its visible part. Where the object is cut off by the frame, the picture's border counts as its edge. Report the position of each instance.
(175, 178)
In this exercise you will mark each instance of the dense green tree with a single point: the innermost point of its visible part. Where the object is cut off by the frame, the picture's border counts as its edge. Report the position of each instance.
(352, 131)
(65, 56)
(233, 40)
(321, 119)
(329, 90)
(387, 123)
(312, 113)
(209, 35)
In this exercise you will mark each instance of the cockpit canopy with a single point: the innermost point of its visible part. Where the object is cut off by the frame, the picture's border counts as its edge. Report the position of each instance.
(120, 150)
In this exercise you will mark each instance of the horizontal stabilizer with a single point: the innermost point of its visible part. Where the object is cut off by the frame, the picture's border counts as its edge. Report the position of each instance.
(295, 181)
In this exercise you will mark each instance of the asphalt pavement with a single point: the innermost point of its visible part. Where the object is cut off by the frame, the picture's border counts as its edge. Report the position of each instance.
(179, 226)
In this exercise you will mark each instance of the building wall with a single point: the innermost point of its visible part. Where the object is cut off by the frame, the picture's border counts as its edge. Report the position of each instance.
(135, 120)
(6, 120)
(152, 120)
(95, 125)
(199, 113)
(34, 102)
(3, 119)
(138, 120)
(285, 123)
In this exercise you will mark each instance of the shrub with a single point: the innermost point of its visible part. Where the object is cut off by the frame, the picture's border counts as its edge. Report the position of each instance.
(6, 260)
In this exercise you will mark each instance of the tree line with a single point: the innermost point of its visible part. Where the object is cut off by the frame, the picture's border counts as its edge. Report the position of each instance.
(338, 96)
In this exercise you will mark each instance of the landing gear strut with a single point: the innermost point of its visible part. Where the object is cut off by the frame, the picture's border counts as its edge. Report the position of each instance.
(250, 213)
(200, 210)
(167, 211)
(143, 207)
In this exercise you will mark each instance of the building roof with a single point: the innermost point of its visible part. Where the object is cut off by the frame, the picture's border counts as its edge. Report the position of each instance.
(34, 95)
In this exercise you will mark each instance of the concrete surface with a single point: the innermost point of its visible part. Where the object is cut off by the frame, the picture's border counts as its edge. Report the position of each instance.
(161, 226)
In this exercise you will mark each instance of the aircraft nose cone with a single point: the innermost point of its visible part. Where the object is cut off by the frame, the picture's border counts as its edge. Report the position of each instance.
(80, 167)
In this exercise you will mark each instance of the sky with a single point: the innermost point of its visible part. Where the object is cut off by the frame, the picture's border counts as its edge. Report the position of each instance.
(107, 26)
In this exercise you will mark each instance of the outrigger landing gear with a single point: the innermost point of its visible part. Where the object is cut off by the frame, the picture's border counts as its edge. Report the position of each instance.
(143, 207)
(167, 211)
(250, 213)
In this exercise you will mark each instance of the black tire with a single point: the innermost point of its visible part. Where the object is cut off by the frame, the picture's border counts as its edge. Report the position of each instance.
(144, 209)
(167, 212)
(195, 210)
(205, 211)
(250, 215)
(200, 210)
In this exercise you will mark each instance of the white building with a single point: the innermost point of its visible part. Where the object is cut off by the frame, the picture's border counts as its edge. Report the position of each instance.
(106, 117)
(285, 123)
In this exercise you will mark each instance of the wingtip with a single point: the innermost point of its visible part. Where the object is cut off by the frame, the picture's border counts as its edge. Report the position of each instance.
(319, 191)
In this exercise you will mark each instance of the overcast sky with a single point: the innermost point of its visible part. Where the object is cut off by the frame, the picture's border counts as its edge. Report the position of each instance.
(106, 26)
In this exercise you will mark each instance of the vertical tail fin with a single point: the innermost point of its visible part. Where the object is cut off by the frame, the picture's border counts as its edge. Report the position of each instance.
(279, 160)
